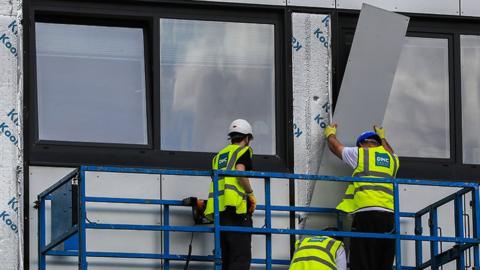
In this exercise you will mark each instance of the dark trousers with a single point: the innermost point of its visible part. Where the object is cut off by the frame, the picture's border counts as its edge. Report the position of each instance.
(236, 247)
(372, 253)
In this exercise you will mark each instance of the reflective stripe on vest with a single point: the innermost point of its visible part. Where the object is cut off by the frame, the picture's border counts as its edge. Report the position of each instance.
(230, 193)
(366, 167)
(310, 253)
(367, 194)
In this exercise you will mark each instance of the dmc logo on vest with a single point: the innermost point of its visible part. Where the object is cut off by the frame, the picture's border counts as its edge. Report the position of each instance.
(222, 161)
(382, 160)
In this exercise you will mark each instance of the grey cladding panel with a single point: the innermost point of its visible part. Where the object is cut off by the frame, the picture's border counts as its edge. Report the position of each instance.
(370, 71)
(312, 3)
(450, 7)
(260, 2)
(470, 8)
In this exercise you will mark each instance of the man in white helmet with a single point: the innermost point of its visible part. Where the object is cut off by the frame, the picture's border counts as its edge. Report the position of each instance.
(236, 200)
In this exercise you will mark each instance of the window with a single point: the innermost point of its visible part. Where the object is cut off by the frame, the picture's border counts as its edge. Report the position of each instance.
(210, 74)
(91, 84)
(417, 116)
(470, 70)
(155, 85)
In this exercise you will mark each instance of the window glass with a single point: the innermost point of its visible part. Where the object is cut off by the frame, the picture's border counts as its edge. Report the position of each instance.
(91, 84)
(470, 69)
(213, 73)
(417, 115)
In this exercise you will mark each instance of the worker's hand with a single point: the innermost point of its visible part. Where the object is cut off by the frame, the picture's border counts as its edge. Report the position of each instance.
(330, 130)
(380, 131)
(251, 203)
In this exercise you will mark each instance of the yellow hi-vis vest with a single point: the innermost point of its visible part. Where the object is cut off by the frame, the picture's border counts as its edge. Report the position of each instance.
(315, 253)
(374, 162)
(231, 193)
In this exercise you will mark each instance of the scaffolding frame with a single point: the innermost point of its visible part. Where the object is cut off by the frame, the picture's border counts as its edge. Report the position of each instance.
(79, 227)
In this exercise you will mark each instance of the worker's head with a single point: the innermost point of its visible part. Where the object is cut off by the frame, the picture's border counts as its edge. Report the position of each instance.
(368, 139)
(240, 132)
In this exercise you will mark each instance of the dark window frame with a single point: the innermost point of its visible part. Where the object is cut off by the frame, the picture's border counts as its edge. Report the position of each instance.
(147, 16)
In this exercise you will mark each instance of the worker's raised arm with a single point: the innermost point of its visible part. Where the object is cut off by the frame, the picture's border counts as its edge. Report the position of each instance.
(333, 143)
(381, 133)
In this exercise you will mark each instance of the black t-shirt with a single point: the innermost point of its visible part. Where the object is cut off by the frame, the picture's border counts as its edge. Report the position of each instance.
(246, 160)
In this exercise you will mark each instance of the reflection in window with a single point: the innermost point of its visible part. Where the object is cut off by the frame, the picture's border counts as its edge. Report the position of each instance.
(470, 59)
(417, 116)
(212, 73)
(91, 84)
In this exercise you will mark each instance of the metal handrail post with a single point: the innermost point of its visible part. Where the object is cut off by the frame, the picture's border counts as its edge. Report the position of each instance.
(433, 223)
(268, 224)
(459, 232)
(476, 225)
(396, 209)
(82, 231)
(216, 222)
(418, 244)
(42, 263)
(166, 237)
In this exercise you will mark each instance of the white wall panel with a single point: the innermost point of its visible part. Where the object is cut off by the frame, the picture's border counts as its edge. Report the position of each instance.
(449, 7)
(259, 2)
(470, 8)
(105, 185)
(312, 3)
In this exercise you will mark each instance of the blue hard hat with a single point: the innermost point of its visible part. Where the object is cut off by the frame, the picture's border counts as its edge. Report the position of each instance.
(368, 135)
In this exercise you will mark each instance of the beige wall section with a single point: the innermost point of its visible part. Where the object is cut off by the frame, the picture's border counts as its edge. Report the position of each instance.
(150, 187)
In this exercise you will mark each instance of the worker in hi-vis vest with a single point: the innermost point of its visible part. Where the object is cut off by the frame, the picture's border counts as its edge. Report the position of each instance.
(370, 203)
(236, 200)
(319, 253)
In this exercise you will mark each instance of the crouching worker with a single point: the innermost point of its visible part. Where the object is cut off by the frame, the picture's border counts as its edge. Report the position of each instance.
(319, 253)
(235, 197)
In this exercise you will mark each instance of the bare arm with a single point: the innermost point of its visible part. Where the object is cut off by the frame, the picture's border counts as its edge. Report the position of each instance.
(243, 181)
(335, 146)
(387, 146)
(381, 133)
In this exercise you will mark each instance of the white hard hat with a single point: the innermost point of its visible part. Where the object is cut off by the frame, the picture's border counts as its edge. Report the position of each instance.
(240, 126)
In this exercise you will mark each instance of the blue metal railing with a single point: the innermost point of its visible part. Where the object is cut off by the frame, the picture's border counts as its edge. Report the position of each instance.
(437, 258)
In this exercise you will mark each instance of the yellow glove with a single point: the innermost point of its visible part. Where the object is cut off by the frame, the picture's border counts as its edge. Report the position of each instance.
(330, 130)
(251, 203)
(380, 131)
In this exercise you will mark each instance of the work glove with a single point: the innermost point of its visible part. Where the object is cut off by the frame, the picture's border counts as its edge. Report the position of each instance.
(251, 203)
(380, 131)
(330, 130)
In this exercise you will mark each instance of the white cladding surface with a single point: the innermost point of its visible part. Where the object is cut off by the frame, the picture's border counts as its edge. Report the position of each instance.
(149, 187)
(447, 7)
(259, 2)
(441, 7)
(470, 8)
(312, 3)
(11, 160)
(311, 96)
(104, 185)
